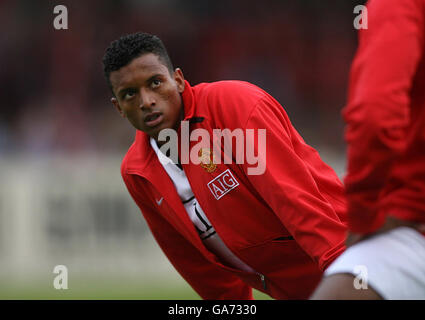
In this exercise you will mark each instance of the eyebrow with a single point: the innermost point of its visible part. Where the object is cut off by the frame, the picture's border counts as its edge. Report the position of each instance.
(150, 79)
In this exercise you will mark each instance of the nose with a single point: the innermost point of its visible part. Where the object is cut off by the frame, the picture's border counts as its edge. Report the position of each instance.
(147, 99)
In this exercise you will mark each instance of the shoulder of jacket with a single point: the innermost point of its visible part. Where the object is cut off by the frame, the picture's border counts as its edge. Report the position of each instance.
(228, 103)
(231, 88)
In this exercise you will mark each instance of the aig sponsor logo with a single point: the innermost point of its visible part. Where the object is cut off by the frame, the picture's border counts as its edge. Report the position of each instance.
(222, 184)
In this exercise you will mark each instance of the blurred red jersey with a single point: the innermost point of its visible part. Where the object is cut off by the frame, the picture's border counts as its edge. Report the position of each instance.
(385, 117)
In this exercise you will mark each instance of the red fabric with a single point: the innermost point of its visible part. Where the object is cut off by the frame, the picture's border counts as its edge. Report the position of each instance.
(385, 117)
(298, 195)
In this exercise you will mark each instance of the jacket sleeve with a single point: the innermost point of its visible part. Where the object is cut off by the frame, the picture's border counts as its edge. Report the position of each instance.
(207, 279)
(289, 187)
(377, 110)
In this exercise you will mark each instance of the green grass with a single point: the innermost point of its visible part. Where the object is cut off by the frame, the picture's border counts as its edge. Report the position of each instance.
(95, 288)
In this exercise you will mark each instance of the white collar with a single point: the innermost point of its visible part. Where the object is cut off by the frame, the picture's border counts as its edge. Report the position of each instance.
(161, 157)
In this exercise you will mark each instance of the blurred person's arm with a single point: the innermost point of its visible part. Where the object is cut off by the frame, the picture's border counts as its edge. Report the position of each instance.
(377, 111)
(207, 279)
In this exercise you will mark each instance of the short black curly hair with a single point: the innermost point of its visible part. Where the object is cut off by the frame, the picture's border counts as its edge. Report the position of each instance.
(122, 51)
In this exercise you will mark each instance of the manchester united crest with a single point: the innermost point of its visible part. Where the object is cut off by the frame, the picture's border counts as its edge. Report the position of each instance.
(207, 158)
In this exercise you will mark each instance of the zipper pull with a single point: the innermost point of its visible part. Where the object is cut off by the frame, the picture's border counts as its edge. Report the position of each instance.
(263, 280)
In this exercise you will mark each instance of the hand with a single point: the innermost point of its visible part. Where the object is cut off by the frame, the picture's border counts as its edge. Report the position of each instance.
(389, 224)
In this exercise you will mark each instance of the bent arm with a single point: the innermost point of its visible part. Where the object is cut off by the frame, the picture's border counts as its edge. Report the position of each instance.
(207, 279)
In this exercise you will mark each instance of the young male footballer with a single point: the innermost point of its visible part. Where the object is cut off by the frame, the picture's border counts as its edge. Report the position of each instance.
(385, 182)
(227, 223)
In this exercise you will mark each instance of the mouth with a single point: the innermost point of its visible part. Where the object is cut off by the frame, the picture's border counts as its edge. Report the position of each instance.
(153, 119)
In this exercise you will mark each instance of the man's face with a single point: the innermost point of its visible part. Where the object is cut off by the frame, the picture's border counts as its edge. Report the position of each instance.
(147, 95)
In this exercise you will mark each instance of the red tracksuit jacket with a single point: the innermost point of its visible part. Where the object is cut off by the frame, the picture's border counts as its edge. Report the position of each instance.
(385, 117)
(298, 197)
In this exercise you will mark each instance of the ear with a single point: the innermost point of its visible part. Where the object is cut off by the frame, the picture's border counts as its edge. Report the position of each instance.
(117, 106)
(179, 78)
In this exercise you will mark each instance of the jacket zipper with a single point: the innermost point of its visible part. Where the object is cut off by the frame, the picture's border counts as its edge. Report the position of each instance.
(263, 281)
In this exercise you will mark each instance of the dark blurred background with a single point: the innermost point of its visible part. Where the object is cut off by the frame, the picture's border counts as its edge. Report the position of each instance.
(62, 200)
(55, 98)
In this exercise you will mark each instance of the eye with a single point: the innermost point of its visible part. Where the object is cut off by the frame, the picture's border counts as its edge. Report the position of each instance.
(129, 94)
(155, 83)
